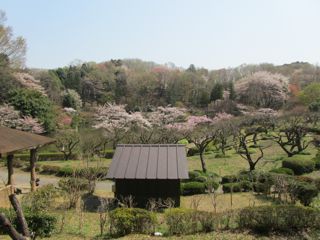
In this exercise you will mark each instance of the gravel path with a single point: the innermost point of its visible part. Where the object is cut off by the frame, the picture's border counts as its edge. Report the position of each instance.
(22, 178)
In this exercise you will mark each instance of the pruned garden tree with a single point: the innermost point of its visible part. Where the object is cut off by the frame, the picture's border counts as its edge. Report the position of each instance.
(67, 141)
(247, 135)
(292, 134)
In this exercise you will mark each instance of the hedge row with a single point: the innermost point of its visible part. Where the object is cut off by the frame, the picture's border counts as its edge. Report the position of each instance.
(69, 171)
(280, 218)
(54, 156)
(299, 167)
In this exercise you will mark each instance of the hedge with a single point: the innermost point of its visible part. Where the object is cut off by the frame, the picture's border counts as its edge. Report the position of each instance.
(234, 187)
(125, 221)
(191, 188)
(50, 156)
(299, 167)
(282, 170)
(279, 218)
(187, 221)
(229, 179)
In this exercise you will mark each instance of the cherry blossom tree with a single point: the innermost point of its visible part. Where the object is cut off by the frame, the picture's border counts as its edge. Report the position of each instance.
(263, 89)
(117, 122)
(13, 119)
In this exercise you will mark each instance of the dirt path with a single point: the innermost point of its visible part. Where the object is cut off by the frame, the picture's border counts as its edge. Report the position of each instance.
(22, 178)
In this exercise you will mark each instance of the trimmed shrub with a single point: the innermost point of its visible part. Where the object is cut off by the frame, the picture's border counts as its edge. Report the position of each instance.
(124, 221)
(305, 192)
(187, 221)
(200, 179)
(109, 153)
(317, 161)
(191, 188)
(47, 156)
(229, 179)
(299, 167)
(280, 218)
(193, 151)
(40, 224)
(234, 187)
(180, 221)
(193, 175)
(209, 184)
(49, 169)
(246, 186)
(282, 170)
(317, 183)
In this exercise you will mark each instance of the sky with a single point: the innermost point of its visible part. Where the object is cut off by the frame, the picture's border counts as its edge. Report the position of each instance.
(208, 33)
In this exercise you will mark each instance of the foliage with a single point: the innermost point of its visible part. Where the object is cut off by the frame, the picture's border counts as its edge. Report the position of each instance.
(263, 89)
(299, 166)
(12, 47)
(41, 224)
(283, 170)
(278, 218)
(67, 141)
(310, 93)
(231, 187)
(71, 99)
(305, 192)
(124, 221)
(186, 221)
(34, 104)
(216, 92)
(73, 187)
(191, 188)
(229, 179)
(41, 200)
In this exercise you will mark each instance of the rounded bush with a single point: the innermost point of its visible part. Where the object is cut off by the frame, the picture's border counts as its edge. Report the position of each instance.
(229, 179)
(234, 187)
(193, 175)
(192, 151)
(200, 179)
(283, 170)
(191, 188)
(299, 167)
(305, 192)
(211, 184)
(124, 221)
(246, 186)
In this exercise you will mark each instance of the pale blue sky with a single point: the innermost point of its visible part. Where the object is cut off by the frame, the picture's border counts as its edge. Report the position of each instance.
(207, 33)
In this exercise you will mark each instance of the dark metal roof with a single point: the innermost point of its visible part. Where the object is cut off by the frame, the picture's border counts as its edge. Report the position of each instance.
(149, 161)
(12, 140)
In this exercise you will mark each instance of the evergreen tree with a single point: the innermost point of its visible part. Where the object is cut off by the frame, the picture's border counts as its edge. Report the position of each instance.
(216, 92)
(232, 92)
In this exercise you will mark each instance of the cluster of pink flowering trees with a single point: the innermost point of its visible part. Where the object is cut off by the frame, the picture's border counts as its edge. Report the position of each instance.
(13, 119)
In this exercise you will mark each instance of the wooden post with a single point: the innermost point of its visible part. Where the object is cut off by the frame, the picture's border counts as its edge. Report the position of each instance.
(33, 159)
(10, 169)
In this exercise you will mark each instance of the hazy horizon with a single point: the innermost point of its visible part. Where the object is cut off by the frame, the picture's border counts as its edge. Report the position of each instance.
(210, 34)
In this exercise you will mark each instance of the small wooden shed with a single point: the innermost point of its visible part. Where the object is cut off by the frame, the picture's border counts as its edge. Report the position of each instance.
(12, 140)
(148, 171)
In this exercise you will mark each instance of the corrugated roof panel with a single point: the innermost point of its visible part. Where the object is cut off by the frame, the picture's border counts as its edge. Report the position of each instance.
(152, 162)
(123, 162)
(141, 172)
(114, 163)
(172, 163)
(162, 172)
(133, 163)
(182, 163)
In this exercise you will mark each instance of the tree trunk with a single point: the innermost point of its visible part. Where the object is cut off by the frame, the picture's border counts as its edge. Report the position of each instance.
(10, 169)
(7, 226)
(33, 159)
(20, 216)
(203, 163)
